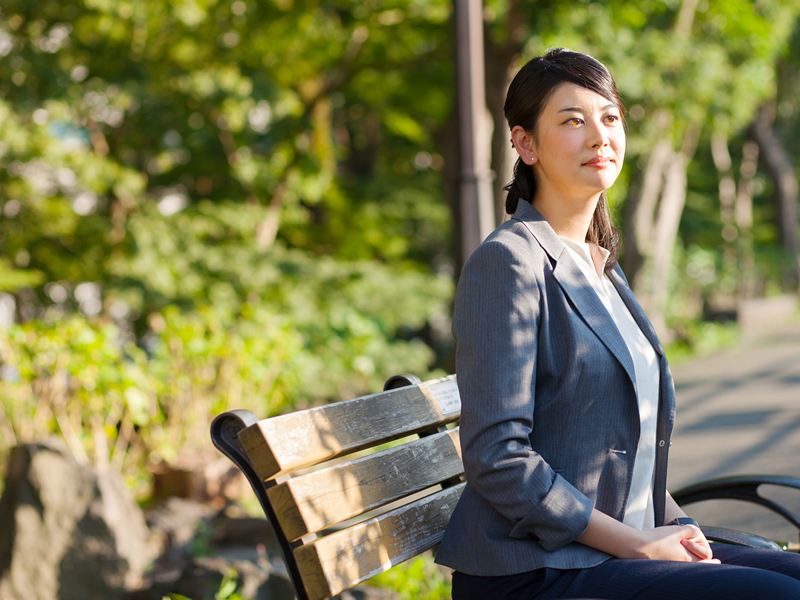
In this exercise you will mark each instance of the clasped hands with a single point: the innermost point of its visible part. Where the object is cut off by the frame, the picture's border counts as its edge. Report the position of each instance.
(684, 543)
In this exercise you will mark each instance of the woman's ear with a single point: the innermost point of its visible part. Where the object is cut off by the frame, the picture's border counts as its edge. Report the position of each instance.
(523, 143)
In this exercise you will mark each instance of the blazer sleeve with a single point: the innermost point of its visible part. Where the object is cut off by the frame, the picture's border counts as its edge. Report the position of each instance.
(496, 321)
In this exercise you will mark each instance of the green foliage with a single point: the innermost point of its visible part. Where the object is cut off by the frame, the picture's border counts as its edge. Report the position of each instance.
(88, 381)
(230, 187)
(701, 339)
(417, 579)
(12, 279)
(351, 318)
(227, 588)
(110, 109)
(119, 408)
(713, 74)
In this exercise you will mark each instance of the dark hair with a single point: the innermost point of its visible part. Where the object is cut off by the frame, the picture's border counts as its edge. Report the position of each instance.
(527, 96)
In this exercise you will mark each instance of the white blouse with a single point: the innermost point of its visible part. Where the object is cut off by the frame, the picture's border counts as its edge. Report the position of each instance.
(639, 512)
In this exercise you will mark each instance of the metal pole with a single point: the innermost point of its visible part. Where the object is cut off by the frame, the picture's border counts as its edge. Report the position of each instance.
(475, 198)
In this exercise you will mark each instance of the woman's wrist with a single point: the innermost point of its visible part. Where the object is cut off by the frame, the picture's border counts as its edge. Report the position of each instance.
(635, 546)
(608, 535)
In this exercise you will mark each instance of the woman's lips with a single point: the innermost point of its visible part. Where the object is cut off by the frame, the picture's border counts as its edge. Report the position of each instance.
(598, 162)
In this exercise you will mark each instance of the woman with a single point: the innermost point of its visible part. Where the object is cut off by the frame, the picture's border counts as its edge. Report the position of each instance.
(567, 398)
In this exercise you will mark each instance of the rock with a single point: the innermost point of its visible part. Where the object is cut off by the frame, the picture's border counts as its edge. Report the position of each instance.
(198, 477)
(245, 531)
(204, 576)
(243, 550)
(366, 592)
(68, 532)
(175, 521)
(176, 526)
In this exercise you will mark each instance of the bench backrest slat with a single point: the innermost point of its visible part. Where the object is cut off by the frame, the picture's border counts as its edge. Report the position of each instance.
(280, 445)
(312, 502)
(341, 560)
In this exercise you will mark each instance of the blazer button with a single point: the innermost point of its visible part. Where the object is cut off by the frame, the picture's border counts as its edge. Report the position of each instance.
(661, 443)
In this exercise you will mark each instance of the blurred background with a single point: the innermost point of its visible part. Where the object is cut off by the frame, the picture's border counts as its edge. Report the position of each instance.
(255, 204)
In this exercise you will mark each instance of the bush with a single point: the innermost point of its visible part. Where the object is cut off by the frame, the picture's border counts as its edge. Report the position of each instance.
(417, 579)
(116, 406)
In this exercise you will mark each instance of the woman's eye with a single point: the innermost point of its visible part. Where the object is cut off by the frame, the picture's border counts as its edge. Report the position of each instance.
(612, 118)
(575, 121)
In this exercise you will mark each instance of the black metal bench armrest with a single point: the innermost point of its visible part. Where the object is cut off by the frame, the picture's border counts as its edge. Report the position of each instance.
(740, 487)
(738, 538)
(225, 435)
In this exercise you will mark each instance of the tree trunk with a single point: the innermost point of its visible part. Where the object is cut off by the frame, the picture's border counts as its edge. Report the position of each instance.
(743, 213)
(731, 262)
(503, 154)
(683, 27)
(655, 222)
(781, 171)
(727, 185)
(500, 59)
(642, 208)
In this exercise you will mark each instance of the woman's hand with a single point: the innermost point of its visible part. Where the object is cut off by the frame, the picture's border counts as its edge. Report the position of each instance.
(684, 543)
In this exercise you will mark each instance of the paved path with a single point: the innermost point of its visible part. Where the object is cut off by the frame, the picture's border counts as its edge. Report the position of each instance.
(739, 413)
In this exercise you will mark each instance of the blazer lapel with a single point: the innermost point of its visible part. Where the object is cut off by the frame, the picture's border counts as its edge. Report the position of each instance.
(576, 286)
(588, 304)
(635, 309)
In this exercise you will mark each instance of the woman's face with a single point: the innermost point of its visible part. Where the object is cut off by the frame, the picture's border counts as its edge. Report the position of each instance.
(579, 143)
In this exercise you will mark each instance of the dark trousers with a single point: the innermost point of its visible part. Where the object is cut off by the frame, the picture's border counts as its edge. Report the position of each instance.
(745, 573)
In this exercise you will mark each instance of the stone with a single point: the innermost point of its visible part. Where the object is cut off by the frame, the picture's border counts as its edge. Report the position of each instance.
(197, 477)
(67, 531)
(176, 526)
(204, 576)
(175, 521)
(245, 531)
(366, 592)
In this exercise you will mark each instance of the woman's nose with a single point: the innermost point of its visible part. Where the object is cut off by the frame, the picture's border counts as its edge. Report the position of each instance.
(599, 136)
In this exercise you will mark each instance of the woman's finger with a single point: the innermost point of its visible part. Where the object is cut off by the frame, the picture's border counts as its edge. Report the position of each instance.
(700, 548)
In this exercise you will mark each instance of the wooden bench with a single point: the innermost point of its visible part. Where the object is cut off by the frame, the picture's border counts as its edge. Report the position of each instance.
(341, 521)
(346, 504)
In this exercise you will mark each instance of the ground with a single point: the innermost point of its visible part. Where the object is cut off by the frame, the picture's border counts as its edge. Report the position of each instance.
(739, 413)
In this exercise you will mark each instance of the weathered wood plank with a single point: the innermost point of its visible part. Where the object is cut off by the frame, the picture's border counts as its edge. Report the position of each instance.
(280, 445)
(320, 499)
(343, 559)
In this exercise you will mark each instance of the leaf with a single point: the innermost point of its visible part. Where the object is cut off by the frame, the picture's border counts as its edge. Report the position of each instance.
(228, 585)
(403, 125)
(12, 279)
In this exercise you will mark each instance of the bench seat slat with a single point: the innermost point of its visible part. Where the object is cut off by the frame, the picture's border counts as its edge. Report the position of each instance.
(280, 445)
(312, 502)
(343, 559)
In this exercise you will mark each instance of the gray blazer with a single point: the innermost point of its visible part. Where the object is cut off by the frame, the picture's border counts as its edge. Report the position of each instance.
(549, 421)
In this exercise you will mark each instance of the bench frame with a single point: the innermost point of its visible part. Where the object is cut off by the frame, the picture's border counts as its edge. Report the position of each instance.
(743, 488)
(227, 427)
